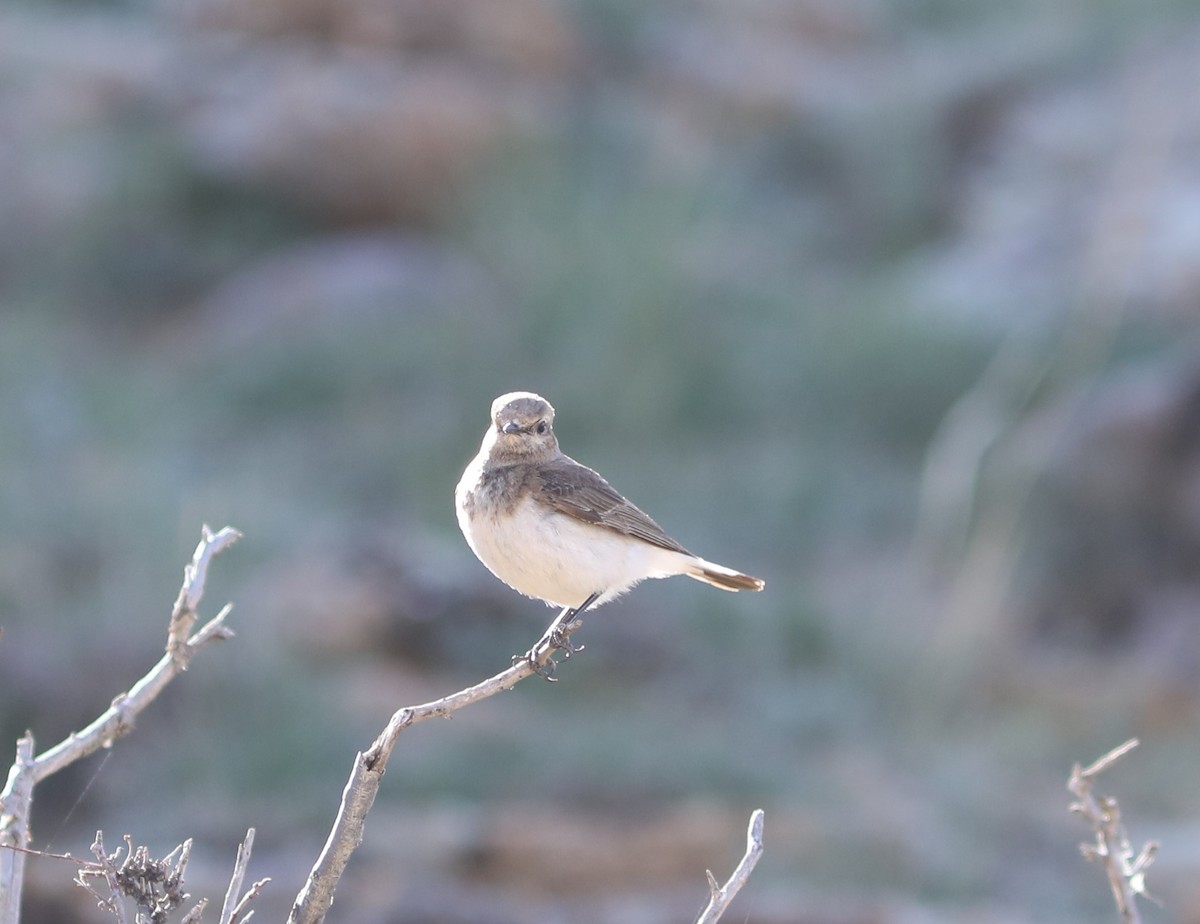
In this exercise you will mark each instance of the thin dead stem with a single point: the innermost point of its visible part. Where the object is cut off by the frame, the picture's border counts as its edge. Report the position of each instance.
(1125, 869)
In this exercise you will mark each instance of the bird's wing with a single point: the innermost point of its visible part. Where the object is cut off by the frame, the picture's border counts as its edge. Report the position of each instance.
(579, 492)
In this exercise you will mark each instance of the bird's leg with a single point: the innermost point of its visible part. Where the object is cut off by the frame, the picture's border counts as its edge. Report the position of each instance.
(557, 634)
(556, 637)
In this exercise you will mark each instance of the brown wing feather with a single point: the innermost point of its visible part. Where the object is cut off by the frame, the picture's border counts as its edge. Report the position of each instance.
(579, 492)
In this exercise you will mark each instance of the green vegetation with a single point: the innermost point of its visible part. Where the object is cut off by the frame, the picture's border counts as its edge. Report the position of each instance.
(747, 344)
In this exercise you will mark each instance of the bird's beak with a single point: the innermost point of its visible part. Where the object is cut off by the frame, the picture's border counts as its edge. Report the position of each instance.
(511, 427)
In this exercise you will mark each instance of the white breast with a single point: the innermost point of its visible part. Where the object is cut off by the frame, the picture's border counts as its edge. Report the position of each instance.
(547, 554)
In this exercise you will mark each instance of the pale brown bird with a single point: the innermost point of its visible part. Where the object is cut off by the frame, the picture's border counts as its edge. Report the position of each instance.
(554, 529)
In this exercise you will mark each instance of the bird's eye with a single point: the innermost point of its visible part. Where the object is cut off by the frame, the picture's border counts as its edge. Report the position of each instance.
(541, 426)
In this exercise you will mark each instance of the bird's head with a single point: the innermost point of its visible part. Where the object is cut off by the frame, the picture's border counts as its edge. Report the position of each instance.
(522, 427)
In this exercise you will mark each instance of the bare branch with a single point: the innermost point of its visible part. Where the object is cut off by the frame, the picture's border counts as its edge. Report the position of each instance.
(15, 803)
(721, 896)
(194, 916)
(1126, 872)
(234, 908)
(118, 720)
(1109, 759)
(240, 913)
(195, 573)
(156, 886)
(315, 898)
(106, 867)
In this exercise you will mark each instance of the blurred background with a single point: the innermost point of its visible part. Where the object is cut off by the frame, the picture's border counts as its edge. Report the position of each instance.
(894, 303)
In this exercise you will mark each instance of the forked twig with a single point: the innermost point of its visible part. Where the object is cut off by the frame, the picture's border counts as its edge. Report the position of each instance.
(156, 886)
(315, 898)
(235, 910)
(1125, 869)
(720, 896)
(16, 799)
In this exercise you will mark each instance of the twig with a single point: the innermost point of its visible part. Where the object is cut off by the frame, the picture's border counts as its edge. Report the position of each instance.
(720, 896)
(241, 914)
(315, 898)
(118, 720)
(105, 867)
(1103, 763)
(1111, 848)
(15, 804)
(195, 573)
(234, 909)
(156, 886)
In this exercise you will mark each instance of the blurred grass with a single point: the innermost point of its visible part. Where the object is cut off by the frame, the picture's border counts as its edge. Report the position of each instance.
(737, 355)
(768, 426)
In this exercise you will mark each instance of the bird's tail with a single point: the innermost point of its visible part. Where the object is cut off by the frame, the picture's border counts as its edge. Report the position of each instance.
(722, 577)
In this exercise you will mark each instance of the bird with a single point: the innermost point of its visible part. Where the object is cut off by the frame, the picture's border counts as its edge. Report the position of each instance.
(554, 529)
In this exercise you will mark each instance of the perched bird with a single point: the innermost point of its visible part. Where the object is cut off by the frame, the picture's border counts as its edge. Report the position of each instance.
(554, 529)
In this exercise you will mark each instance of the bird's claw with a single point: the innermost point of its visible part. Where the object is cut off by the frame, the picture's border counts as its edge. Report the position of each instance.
(544, 669)
(538, 657)
(557, 638)
(561, 639)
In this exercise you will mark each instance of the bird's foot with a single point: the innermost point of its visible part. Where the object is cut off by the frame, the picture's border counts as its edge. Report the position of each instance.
(559, 637)
(556, 638)
(542, 665)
